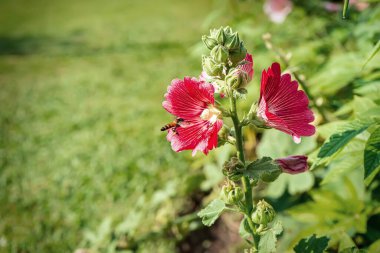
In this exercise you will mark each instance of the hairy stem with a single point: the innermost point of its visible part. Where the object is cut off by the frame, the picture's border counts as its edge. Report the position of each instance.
(245, 181)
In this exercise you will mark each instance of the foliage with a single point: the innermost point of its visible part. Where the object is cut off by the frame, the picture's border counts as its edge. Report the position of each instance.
(212, 212)
(312, 245)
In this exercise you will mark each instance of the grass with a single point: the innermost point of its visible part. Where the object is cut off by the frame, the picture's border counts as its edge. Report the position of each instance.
(81, 89)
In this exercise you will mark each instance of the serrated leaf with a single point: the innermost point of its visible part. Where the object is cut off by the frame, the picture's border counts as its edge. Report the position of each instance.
(212, 212)
(265, 169)
(268, 238)
(372, 153)
(312, 245)
(339, 140)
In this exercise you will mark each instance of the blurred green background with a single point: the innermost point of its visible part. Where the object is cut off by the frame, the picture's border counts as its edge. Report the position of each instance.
(84, 167)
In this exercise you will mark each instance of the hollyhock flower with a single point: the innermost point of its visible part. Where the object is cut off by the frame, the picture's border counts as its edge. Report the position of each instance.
(293, 164)
(277, 10)
(283, 106)
(192, 102)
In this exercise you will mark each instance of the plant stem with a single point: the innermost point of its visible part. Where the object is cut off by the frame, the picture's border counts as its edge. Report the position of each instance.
(245, 181)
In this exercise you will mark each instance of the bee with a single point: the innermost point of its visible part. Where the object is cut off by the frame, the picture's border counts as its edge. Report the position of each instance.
(172, 125)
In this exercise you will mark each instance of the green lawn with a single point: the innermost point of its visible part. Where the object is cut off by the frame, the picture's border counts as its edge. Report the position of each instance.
(82, 84)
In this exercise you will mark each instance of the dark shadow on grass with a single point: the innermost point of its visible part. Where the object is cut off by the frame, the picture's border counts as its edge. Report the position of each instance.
(74, 45)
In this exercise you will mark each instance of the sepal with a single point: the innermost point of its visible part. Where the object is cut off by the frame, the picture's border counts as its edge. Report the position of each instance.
(265, 169)
(264, 213)
(233, 169)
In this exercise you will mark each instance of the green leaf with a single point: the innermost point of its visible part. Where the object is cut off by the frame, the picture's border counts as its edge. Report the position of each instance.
(372, 153)
(268, 238)
(339, 140)
(339, 71)
(265, 169)
(349, 159)
(375, 247)
(374, 51)
(212, 212)
(312, 245)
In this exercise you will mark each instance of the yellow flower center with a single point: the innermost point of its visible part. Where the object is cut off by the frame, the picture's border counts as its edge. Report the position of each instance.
(210, 114)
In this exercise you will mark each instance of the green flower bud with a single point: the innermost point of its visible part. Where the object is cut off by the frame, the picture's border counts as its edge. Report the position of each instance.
(227, 30)
(237, 79)
(211, 67)
(224, 192)
(235, 196)
(209, 41)
(223, 135)
(264, 213)
(220, 36)
(220, 54)
(232, 169)
(238, 55)
(233, 42)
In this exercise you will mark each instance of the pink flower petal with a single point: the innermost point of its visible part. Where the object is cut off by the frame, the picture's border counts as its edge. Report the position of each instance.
(187, 99)
(283, 106)
(248, 66)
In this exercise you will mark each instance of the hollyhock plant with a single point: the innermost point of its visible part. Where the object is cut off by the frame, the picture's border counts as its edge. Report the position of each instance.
(283, 106)
(293, 164)
(198, 127)
(192, 102)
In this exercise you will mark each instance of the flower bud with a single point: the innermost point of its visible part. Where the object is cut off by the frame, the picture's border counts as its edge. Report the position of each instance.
(232, 42)
(237, 79)
(225, 191)
(232, 169)
(235, 196)
(209, 41)
(223, 135)
(264, 213)
(220, 54)
(220, 36)
(237, 55)
(293, 164)
(211, 67)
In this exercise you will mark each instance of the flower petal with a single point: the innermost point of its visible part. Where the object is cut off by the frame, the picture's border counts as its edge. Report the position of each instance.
(283, 106)
(187, 98)
(293, 164)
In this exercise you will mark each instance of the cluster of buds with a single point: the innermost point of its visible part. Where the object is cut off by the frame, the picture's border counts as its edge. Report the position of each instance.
(232, 169)
(263, 214)
(227, 51)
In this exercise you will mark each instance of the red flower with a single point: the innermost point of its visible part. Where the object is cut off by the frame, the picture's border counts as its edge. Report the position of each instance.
(293, 164)
(192, 102)
(283, 106)
(247, 66)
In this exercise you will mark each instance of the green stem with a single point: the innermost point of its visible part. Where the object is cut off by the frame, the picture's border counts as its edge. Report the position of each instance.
(345, 8)
(245, 181)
